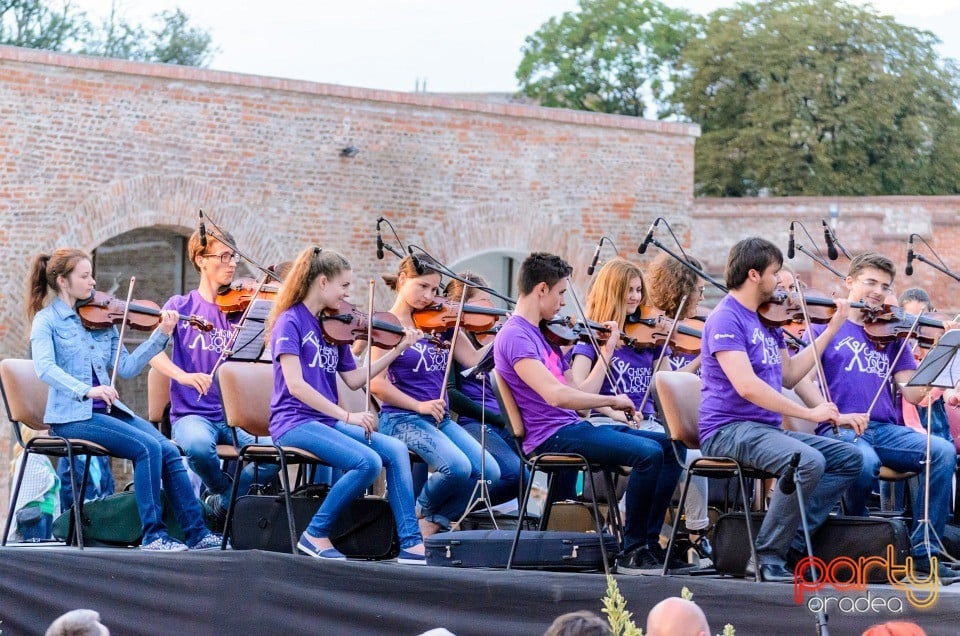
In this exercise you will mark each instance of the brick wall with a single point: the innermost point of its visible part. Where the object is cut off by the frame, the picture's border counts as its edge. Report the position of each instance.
(94, 148)
(881, 224)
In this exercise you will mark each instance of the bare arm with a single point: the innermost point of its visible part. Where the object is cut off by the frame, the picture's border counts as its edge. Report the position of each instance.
(555, 393)
(736, 366)
(200, 381)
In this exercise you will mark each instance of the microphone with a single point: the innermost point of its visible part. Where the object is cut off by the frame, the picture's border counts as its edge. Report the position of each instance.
(791, 248)
(787, 483)
(646, 239)
(203, 231)
(908, 270)
(417, 265)
(596, 257)
(379, 240)
(828, 237)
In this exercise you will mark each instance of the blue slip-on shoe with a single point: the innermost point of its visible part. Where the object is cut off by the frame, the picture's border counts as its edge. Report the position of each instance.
(330, 554)
(411, 558)
(210, 541)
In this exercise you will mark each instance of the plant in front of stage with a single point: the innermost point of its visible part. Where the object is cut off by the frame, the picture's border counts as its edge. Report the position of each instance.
(621, 620)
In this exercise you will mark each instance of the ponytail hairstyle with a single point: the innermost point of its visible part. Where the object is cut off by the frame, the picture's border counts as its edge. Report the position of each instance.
(312, 263)
(607, 299)
(454, 289)
(413, 266)
(45, 270)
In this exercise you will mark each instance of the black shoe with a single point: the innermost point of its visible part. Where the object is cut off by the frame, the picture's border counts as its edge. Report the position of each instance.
(660, 554)
(769, 572)
(639, 561)
(703, 547)
(947, 575)
(794, 557)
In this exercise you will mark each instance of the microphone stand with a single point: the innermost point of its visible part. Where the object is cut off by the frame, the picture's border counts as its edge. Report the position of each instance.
(446, 271)
(820, 261)
(939, 268)
(821, 615)
(693, 268)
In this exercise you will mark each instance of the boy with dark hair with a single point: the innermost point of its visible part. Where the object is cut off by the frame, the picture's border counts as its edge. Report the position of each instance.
(536, 373)
(745, 365)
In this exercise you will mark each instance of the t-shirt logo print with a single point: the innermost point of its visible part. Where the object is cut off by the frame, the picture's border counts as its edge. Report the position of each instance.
(431, 358)
(771, 354)
(866, 358)
(214, 341)
(324, 357)
(630, 379)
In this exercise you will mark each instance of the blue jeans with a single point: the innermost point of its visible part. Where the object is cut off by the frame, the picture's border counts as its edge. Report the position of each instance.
(451, 452)
(344, 446)
(198, 437)
(500, 445)
(903, 449)
(156, 462)
(652, 480)
(827, 468)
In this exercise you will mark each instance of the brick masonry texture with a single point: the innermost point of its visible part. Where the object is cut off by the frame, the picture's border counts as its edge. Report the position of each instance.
(93, 148)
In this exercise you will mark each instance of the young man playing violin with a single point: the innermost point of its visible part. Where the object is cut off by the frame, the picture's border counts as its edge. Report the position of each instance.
(542, 385)
(856, 371)
(196, 413)
(744, 365)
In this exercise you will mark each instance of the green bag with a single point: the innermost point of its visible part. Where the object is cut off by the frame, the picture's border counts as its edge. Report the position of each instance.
(114, 521)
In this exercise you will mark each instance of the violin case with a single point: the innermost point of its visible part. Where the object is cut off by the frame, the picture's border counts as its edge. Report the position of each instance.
(852, 537)
(543, 550)
(364, 530)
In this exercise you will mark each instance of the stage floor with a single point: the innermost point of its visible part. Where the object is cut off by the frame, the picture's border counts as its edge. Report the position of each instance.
(255, 592)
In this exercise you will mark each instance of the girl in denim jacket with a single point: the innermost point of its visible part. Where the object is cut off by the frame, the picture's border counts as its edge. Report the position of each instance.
(76, 363)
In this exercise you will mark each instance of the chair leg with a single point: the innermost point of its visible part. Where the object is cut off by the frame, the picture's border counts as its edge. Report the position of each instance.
(676, 522)
(614, 521)
(596, 516)
(522, 515)
(76, 524)
(14, 495)
(234, 487)
(749, 523)
(285, 480)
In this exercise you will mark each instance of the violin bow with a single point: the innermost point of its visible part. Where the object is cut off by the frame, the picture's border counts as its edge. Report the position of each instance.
(453, 343)
(663, 351)
(596, 346)
(123, 329)
(368, 403)
(817, 362)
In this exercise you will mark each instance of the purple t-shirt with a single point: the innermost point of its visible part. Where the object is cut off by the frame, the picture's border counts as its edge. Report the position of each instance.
(630, 370)
(197, 352)
(297, 332)
(418, 372)
(855, 368)
(733, 327)
(517, 340)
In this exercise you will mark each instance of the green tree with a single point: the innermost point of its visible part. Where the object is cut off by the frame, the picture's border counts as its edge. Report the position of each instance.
(611, 56)
(60, 26)
(819, 97)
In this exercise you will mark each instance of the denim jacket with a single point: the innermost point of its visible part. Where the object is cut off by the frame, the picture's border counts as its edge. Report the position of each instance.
(66, 356)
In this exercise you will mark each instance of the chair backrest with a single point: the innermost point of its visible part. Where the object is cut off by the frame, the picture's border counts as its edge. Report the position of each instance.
(245, 390)
(158, 395)
(24, 393)
(680, 399)
(795, 423)
(508, 405)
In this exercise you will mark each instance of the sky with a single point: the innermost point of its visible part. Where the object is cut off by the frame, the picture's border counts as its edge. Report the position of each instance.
(454, 46)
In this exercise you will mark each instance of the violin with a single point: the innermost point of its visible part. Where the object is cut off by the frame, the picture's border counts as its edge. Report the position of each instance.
(442, 316)
(346, 324)
(563, 332)
(887, 323)
(102, 310)
(649, 327)
(785, 308)
(238, 294)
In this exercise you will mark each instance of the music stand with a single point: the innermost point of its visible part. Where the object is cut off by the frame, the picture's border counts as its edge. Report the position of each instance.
(940, 368)
(250, 344)
(482, 371)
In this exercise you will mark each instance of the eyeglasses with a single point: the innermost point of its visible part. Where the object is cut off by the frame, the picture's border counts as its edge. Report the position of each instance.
(225, 257)
(870, 282)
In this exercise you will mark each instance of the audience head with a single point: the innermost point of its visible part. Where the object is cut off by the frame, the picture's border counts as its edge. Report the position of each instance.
(79, 622)
(675, 616)
(582, 623)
